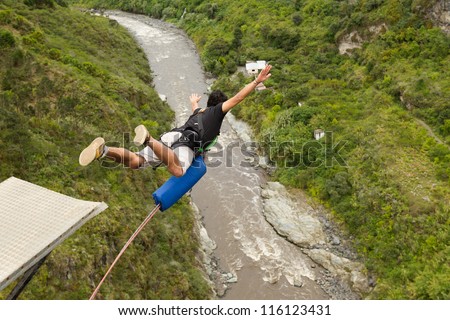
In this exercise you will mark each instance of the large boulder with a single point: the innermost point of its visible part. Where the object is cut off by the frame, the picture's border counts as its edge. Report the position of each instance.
(352, 272)
(290, 219)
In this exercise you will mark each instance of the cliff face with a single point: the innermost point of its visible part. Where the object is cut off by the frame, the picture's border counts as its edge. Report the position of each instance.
(354, 40)
(440, 15)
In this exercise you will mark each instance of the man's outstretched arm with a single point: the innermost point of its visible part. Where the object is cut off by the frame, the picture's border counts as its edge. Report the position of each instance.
(234, 101)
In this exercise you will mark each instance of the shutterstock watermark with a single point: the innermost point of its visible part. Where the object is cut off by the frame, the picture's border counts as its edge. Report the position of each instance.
(300, 153)
(325, 152)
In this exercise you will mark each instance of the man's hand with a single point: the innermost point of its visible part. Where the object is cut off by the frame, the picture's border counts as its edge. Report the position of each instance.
(194, 98)
(264, 74)
(234, 101)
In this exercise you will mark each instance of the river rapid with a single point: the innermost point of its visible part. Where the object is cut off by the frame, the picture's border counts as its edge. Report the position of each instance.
(250, 260)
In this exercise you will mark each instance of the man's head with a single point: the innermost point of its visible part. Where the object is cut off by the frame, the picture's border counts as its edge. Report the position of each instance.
(215, 98)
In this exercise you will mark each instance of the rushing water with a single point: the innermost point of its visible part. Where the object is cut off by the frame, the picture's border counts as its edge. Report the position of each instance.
(229, 196)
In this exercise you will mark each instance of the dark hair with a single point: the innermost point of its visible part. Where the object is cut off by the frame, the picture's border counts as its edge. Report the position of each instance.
(215, 98)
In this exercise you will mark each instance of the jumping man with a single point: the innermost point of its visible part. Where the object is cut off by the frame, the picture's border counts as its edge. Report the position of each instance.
(178, 147)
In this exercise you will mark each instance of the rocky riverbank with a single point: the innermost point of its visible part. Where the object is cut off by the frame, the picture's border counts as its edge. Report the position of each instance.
(309, 226)
(294, 218)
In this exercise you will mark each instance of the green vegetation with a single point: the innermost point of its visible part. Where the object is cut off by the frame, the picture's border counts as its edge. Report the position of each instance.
(65, 78)
(393, 194)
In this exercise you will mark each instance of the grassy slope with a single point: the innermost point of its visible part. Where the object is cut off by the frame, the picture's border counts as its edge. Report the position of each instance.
(65, 78)
(393, 194)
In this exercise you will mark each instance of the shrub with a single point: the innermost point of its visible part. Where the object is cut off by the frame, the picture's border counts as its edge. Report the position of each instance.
(36, 38)
(169, 12)
(6, 39)
(40, 3)
(62, 3)
(18, 57)
(6, 16)
(54, 54)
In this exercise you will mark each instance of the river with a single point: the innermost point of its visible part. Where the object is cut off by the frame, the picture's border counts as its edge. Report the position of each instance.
(260, 264)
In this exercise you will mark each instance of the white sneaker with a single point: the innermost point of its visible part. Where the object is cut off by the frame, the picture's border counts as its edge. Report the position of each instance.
(92, 152)
(142, 135)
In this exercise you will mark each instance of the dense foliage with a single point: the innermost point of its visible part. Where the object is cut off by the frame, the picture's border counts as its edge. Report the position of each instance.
(65, 78)
(384, 166)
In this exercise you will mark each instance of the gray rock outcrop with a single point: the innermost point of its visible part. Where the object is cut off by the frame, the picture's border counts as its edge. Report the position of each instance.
(290, 219)
(299, 223)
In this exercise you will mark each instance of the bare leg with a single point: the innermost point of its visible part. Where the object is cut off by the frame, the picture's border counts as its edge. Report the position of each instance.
(134, 161)
(126, 157)
(167, 156)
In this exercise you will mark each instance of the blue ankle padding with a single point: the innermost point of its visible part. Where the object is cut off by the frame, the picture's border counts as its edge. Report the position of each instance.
(174, 188)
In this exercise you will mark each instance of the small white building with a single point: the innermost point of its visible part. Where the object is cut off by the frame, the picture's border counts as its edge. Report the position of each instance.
(253, 67)
(319, 134)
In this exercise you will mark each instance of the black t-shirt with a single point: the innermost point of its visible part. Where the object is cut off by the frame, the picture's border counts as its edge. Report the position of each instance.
(212, 118)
